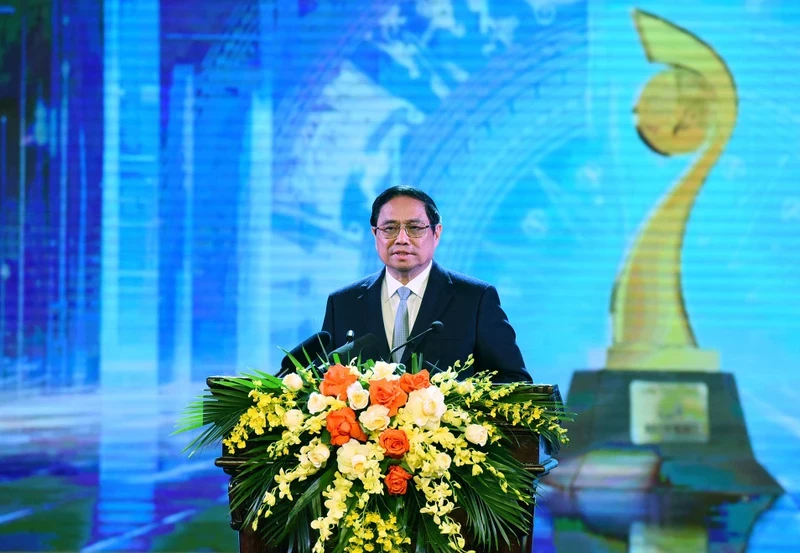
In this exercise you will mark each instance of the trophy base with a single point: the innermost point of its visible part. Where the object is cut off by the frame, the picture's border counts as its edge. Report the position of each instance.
(628, 357)
(614, 521)
(650, 430)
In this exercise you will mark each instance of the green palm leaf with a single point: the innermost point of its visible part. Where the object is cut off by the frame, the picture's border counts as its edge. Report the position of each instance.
(491, 519)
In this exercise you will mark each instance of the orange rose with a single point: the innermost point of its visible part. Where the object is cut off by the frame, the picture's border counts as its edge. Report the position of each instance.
(395, 442)
(387, 393)
(342, 425)
(411, 382)
(397, 480)
(336, 381)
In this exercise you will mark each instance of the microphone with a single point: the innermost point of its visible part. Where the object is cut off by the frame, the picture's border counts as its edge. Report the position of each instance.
(436, 326)
(350, 336)
(308, 350)
(367, 346)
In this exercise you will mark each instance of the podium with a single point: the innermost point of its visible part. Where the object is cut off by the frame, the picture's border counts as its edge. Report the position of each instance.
(535, 453)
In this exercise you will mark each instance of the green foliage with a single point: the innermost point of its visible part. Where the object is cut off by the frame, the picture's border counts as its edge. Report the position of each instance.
(495, 499)
(219, 408)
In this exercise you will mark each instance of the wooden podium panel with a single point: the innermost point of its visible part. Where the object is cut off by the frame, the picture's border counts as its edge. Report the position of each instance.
(535, 453)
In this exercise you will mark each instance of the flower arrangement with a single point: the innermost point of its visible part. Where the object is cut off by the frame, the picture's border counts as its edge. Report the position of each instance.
(367, 457)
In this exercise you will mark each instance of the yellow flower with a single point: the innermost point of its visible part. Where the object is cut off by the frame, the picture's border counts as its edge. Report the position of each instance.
(444, 437)
(465, 388)
(336, 509)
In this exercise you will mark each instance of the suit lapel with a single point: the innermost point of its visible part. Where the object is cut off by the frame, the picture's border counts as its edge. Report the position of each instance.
(437, 296)
(371, 306)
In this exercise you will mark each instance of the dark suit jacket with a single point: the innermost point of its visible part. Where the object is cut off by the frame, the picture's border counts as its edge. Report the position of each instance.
(474, 323)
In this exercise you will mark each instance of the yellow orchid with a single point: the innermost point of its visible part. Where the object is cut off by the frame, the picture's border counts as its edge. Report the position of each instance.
(454, 430)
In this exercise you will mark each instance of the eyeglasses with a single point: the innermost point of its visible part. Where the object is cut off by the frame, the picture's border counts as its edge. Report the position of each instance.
(413, 230)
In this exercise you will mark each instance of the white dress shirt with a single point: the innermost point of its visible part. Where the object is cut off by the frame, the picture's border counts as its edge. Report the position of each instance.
(390, 300)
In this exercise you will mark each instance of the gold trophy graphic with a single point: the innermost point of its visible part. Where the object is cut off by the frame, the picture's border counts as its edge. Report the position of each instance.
(689, 107)
(661, 415)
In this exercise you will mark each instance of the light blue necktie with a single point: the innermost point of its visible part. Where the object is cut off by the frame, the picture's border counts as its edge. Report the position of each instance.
(400, 333)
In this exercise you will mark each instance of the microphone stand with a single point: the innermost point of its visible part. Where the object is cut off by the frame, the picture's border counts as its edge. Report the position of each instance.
(436, 326)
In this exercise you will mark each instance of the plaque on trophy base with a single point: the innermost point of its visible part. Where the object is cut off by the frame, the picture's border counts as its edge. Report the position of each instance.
(647, 430)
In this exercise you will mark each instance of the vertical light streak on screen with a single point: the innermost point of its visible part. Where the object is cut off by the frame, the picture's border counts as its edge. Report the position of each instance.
(110, 250)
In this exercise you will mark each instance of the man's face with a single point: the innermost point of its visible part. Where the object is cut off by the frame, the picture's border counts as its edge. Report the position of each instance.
(406, 257)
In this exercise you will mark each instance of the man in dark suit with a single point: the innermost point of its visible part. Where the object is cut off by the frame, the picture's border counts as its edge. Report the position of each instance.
(412, 291)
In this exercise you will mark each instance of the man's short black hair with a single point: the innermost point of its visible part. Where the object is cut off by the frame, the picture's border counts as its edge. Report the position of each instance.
(434, 218)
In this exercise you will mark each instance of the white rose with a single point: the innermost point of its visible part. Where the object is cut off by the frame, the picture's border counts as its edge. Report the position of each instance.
(375, 418)
(293, 382)
(426, 407)
(352, 457)
(442, 461)
(317, 403)
(382, 369)
(293, 418)
(476, 434)
(357, 396)
(319, 455)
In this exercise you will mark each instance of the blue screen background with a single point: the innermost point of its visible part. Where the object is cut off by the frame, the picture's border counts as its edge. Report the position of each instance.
(184, 183)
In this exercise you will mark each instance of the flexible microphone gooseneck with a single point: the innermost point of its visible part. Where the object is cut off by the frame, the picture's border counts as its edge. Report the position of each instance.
(366, 346)
(436, 326)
